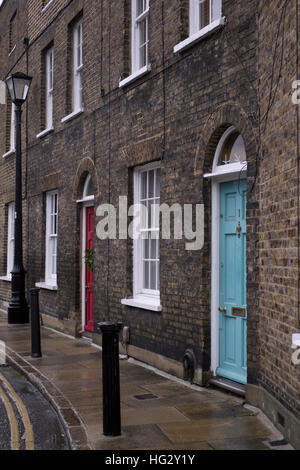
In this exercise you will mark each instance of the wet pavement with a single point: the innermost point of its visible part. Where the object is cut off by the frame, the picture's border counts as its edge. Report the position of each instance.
(157, 412)
(27, 420)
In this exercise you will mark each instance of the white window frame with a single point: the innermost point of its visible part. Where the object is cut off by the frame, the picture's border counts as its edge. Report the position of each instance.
(12, 20)
(50, 278)
(12, 134)
(137, 70)
(12, 140)
(78, 66)
(10, 238)
(49, 87)
(215, 11)
(143, 298)
(136, 24)
(196, 32)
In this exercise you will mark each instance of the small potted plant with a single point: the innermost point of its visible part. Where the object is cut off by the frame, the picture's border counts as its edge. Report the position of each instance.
(89, 259)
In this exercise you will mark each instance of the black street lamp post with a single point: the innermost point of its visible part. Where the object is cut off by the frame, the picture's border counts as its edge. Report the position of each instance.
(18, 85)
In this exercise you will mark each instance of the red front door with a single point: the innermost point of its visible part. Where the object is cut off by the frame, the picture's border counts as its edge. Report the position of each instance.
(89, 276)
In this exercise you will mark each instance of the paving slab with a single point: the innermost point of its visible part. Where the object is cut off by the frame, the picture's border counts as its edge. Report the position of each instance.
(226, 409)
(216, 428)
(240, 444)
(152, 416)
(133, 438)
(189, 446)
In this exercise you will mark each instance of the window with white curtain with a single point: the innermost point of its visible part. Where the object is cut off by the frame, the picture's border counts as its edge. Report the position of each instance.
(204, 12)
(49, 87)
(146, 244)
(10, 238)
(51, 237)
(77, 66)
(140, 34)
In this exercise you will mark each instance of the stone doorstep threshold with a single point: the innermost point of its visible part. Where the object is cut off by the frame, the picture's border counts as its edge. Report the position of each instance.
(229, 385)
(71, 421)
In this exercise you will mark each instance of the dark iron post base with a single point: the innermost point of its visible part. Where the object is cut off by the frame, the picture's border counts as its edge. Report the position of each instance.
(111, 378)
(18, 312)
(35, 324)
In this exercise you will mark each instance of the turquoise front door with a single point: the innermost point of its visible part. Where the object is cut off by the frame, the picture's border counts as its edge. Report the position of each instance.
(232, 291)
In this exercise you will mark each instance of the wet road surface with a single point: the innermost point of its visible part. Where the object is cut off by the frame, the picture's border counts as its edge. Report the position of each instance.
(27, 420)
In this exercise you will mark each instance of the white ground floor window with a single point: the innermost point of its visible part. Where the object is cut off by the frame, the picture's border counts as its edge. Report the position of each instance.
(51, 238)
(10, 238)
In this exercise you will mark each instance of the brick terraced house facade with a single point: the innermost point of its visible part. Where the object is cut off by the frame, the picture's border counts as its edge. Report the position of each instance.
(174, 102)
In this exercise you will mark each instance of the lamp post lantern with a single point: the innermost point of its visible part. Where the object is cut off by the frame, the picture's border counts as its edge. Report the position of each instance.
(18, 85)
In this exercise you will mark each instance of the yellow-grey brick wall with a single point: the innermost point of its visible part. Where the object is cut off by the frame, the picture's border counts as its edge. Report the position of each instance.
(176, 115)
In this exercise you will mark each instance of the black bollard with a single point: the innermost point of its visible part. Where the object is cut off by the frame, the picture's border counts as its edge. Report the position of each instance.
(35, 324)
(111, 378)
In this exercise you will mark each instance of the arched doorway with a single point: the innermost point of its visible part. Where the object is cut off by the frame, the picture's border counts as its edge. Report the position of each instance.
(228, 254)
(87, 255)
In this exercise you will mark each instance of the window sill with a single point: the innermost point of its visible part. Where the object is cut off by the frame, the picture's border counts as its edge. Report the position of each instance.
(209, 29)
(144, 304)
(9, 153)
(44, 285)
(5, 278)
(45, 132)
(135, 76)
(72, 115)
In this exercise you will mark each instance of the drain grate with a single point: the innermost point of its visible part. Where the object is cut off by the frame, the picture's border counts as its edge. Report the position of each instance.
(146, 396)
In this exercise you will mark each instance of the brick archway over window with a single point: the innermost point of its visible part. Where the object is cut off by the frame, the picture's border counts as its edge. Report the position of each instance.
(225, 116)
(85, 167)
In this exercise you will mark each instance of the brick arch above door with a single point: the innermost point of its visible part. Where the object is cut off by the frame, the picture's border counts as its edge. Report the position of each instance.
(221, 119)
(85, 168)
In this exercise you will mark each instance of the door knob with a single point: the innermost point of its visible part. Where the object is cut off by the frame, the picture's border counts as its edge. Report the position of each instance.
(222, 309)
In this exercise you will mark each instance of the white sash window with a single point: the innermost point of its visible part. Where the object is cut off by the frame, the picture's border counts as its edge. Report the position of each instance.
(49, 87)
(140, 34)
(203, 13)
(77, 66)
(10, 238)
(51, 237)
(12, 140)
(146, 245)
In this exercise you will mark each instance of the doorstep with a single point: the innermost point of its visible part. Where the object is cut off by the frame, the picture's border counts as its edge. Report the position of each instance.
(230, 385)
